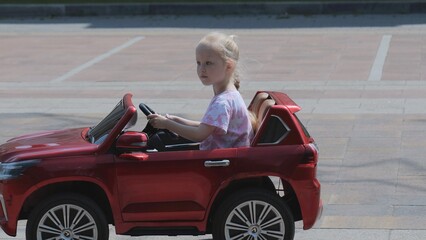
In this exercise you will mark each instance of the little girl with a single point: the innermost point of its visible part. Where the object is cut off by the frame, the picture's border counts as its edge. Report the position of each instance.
(226, 123)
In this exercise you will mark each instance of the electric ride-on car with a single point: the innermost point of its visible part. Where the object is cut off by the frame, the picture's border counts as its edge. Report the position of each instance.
(73, 183)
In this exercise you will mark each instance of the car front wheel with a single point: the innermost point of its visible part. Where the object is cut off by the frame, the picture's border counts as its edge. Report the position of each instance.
(253, 214)
(66, 217)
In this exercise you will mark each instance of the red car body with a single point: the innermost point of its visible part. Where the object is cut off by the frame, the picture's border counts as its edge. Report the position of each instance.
(161, 192)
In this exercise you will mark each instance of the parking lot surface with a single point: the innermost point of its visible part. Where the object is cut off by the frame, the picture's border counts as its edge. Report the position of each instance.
(361, 81)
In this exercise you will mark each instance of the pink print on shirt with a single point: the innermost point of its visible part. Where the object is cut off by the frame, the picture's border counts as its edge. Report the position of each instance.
(228, 113)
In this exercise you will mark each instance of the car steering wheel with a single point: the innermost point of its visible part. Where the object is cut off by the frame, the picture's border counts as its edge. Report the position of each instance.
(145, 109)
(149, 129)
(157, 136)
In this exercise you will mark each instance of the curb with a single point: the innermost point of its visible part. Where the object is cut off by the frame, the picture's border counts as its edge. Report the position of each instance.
(310, 8)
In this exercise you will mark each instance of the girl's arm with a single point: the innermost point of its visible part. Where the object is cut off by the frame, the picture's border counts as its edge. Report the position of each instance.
(194, 133)
(183, 121)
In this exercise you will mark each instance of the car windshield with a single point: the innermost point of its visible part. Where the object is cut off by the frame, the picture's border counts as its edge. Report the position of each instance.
(99, 132)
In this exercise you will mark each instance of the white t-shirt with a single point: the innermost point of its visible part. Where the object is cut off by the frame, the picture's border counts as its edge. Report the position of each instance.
(228, 113)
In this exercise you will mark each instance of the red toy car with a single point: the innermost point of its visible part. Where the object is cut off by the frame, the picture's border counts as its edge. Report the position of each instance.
(70, 184)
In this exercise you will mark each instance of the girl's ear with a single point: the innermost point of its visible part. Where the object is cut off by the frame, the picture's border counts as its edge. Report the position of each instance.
(230, 65)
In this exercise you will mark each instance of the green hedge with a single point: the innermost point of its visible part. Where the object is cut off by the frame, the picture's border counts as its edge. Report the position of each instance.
(171, 1)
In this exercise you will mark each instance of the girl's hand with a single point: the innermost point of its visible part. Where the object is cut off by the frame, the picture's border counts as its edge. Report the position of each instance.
(157, 121)
(191, 130)
(171, 117)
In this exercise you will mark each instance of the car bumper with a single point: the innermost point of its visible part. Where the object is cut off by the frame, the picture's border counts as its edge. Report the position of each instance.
(8, 213)
(5, 224)
(309, 195)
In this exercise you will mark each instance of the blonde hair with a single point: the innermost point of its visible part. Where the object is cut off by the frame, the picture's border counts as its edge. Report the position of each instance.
(253, 120)
(227, 48)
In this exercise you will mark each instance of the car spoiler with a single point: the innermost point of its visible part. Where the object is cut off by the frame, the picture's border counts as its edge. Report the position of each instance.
(282, 99)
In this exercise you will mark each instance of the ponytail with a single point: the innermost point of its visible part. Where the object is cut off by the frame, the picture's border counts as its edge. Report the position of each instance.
(236, 77)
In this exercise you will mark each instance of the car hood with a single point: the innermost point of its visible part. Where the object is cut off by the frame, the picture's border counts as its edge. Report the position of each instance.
(47, 144)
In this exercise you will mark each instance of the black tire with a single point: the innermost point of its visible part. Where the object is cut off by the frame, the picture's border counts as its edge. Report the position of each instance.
(81, 211)
(273, 219)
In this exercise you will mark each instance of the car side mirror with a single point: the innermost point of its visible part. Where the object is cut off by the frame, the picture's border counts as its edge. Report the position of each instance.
(132, 140)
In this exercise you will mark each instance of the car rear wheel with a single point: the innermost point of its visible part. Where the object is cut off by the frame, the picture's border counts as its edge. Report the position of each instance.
(251, 215)
(66, 217)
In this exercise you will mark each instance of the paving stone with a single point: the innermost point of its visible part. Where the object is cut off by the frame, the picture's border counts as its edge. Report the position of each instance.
(373, 222)
(412, 167)
(407, 234)
(411, 184)
(414, 210)
(348, 234)
(358, 210)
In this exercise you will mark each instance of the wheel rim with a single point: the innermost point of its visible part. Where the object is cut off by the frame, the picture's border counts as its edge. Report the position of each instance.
(253, 220)
(67, 222)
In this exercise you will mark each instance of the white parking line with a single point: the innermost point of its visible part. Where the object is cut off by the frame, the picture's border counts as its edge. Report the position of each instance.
(96, 60)
(377, 69)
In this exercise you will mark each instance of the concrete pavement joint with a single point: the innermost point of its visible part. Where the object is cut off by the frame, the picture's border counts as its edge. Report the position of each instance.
(398, 106)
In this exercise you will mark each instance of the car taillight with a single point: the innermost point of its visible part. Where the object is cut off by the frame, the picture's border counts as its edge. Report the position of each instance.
(311, 154)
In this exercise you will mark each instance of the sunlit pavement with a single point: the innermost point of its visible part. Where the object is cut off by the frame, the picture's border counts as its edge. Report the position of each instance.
(361, 81)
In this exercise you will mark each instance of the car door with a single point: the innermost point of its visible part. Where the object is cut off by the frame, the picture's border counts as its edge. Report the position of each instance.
(170, 186)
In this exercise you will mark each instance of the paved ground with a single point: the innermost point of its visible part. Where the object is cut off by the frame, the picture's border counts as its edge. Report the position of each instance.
(361, 81)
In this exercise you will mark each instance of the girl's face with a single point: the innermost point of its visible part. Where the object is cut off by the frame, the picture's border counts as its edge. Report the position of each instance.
(211, 68)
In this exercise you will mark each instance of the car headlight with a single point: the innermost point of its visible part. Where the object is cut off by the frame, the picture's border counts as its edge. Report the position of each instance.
(15, 169)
